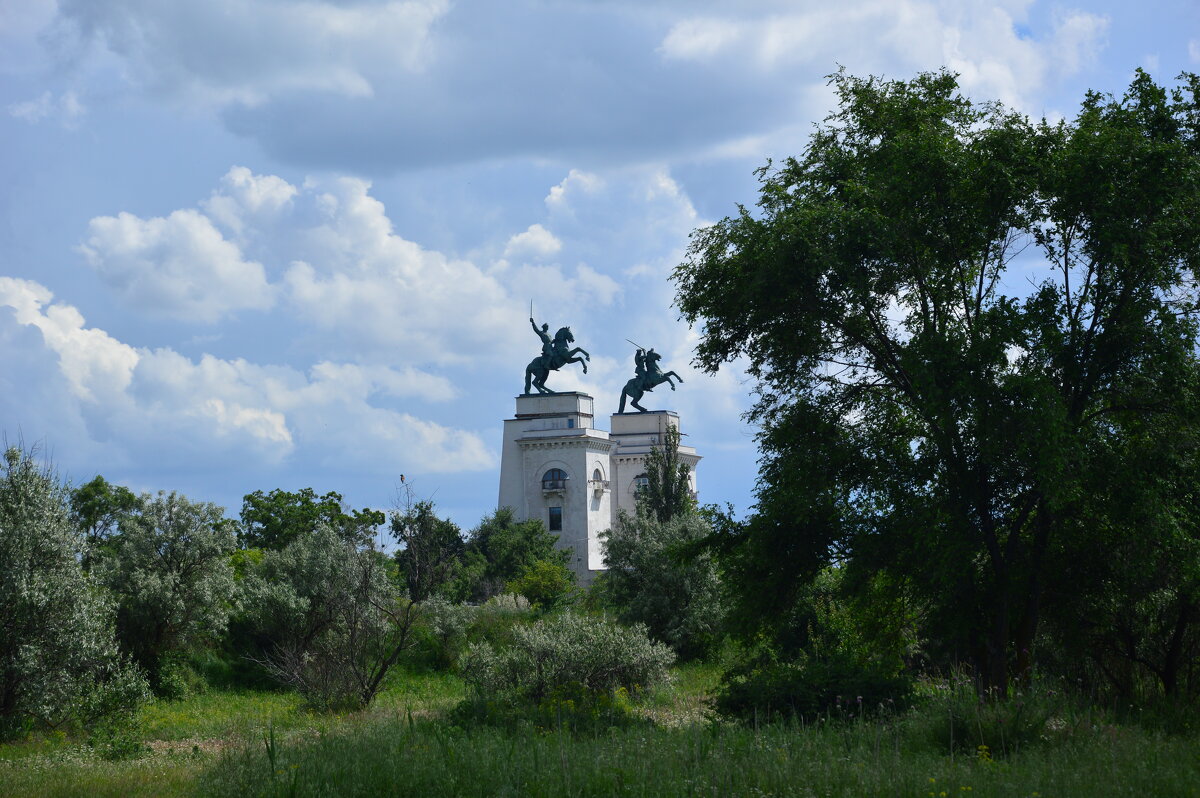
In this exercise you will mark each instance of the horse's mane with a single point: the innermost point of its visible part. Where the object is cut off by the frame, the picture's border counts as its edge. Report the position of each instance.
(563, 334)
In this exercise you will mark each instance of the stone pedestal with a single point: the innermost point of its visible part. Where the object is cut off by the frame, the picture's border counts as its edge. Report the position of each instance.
(635, 434)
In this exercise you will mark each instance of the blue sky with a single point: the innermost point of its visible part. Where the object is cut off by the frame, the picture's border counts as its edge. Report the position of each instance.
(257, 244)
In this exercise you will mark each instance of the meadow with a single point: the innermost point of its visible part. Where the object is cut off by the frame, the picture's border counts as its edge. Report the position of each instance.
(413, 742)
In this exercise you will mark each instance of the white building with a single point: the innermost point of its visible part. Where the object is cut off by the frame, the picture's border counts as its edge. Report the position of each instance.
(556, 466)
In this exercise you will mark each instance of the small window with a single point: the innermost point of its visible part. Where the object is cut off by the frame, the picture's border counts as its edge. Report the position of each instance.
(570, 423)
(555, 519)
(597, 476)
(640, 483)
(554, 479)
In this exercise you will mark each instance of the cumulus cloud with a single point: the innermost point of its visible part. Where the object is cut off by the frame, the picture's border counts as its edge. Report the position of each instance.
(980, 40)
(176, 267)
(536, 242)
(138, 399)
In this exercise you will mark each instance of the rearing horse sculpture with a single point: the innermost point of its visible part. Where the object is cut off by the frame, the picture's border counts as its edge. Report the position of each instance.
(648, 376)
(555, 355)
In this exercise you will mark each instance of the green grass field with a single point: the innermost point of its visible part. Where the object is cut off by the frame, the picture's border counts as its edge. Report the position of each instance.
(261, 743)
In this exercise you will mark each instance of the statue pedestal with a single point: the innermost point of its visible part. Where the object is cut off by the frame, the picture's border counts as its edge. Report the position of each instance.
(635, 434)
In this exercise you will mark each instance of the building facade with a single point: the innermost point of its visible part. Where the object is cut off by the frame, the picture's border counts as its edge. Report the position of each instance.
(556, 466)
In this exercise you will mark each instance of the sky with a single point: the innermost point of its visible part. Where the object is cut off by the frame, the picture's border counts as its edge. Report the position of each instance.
(260, 244)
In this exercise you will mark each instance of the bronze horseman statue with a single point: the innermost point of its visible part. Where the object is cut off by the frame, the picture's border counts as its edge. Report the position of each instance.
(648, 375)
(556, 353)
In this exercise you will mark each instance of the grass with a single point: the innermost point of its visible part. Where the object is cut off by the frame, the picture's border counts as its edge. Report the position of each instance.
(263, 743)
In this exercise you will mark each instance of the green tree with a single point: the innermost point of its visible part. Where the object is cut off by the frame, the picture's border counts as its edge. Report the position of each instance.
(329, 619)
(504, 548)
(924, 413)
(667, 493)
(170, 572)
(660, 577)
(97, 508)
(58, 654)
(431, 549)
(273, 520)
(547, 584)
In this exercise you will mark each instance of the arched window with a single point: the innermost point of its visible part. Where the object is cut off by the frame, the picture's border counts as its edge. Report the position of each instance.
(597, 476)
(554, 479)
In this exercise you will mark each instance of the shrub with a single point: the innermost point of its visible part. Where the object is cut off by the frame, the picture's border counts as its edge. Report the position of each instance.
(958, 718)
(654, 579)
(547, 584)
(171, 574)
(330, 622)
(566, 652)
(765, 690)
(59, 662)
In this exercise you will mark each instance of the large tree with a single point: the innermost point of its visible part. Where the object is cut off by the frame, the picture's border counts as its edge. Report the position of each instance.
(949, 310)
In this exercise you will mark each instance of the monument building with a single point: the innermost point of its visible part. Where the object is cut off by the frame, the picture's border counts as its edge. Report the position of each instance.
(558, 466)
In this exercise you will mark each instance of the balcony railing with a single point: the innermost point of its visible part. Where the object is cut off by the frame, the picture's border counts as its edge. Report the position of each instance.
(554, 485)
(599, 485)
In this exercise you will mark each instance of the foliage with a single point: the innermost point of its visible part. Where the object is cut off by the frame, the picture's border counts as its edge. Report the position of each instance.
(59, 662)
(330, 621)
(431, 549)
(657, 577)
(667, 493)
(273, 520)
(500, 549)
(563, 652)
(918, 420)
(834, 687)
(960, 719)
(97, 508)
(547, 584)
(169, 571)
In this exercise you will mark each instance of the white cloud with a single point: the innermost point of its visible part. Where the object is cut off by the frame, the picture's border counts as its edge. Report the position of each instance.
(536, 242)
(246, 198)
(66, 109)
(176, 267)
(576, 181)
(248, 51)
(138, 399)
(977, 39)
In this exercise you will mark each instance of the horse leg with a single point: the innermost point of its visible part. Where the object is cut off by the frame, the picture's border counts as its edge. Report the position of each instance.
(528, 377)
(621, 409)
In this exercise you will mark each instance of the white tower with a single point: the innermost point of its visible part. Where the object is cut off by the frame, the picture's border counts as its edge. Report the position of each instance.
(557, 467)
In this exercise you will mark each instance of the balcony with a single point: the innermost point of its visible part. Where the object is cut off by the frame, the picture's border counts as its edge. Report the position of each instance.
(599, 486)
(551, 487)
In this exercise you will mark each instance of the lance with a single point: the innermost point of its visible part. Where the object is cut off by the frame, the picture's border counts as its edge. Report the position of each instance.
(639, 346)
(531, 307)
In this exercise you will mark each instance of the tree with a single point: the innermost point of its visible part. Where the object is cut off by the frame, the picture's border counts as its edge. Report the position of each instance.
(329, 617)
(170, 572)
(432, 549)
(58, 653)
(504, 549)
(657, 576)
(273, 520)
(97, 508)
(666, 493)
(920, 417)
(547, 584)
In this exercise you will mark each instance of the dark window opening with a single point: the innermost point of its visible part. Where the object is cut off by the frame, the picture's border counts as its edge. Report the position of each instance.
(555, 519)
(554, 479)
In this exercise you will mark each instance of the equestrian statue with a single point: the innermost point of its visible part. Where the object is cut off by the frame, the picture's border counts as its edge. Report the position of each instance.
(556, 353)
(648, 375)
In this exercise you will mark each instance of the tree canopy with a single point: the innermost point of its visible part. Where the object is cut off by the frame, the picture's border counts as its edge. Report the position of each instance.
(957, 318)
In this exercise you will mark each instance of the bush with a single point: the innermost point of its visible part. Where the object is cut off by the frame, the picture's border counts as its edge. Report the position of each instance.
(656, 578)
(834, 686)
(59, 663)
(329, 620)
(171, 574)
(566, 652)
(958, 718)
(547, 584)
